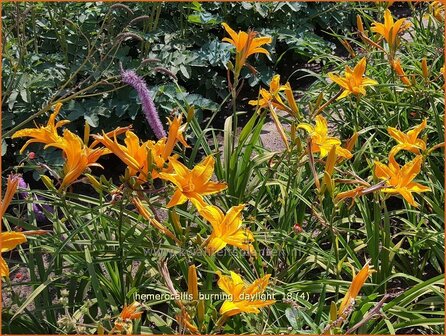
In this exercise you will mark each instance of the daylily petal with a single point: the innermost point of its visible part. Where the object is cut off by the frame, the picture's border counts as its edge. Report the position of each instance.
(214, 216)
(338, 80)
(413, 134)
(253, 306)
(367, 81)
(353, 80)
(343, 152)
(179, 168)
(242, 239)
(177, 199)
(344, 94)
(230, 31)
(233, 220)
(194, 183)
(417, 187)
(215, 244)
(309, 128)
(212, 188)
(245, 44)
(396, 134)
(231, 284)
(4, 269)
(203, 171)
(44, 134)
(388, 19)
(10, 240)
(258, 51)
(382, 171)
(410, 170)
(229, 308)
(258, 41)
(407, 195)
(321, 126)
(379, 28)
(359, 69)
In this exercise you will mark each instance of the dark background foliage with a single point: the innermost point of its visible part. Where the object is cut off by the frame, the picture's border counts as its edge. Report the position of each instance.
(52, 51)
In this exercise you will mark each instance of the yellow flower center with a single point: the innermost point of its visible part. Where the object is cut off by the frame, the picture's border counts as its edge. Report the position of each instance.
(190, 187)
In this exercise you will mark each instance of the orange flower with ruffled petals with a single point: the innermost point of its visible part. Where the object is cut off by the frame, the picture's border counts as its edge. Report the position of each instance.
(353, 81)
(399, 179)
(43, 134)
(321, 142)
(243, 298)
(227, 228)
(246, 44)
(389, 29)
(192, 184)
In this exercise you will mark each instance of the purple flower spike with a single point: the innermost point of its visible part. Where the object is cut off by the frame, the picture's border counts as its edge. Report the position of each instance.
(23, 185)
(37, 208)
(131, 78)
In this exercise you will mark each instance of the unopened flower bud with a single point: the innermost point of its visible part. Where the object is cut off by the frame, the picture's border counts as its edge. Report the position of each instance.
(297, 228)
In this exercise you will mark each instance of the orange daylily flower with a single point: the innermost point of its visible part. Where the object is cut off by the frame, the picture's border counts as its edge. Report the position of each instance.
(44, 134)
(192, 184)
(243, 298)
(11, 188)
(399, 179)
(354, 81)
(389, 30)
(9, 241)
(227, 228)
(272, 97)
(437, 10)
(246, 44)
(356, 285)
(408, 141)
(78, 156)
(396, 66)
(128, 313)
(135, 154)
(321, 142)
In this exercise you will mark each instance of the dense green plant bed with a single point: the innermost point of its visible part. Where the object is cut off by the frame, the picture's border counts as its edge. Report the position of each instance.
(143, 193)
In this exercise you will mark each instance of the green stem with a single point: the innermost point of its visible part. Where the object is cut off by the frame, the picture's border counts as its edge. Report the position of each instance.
(386, 241)
(121, 250)
(234, 109)
(33, 18)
